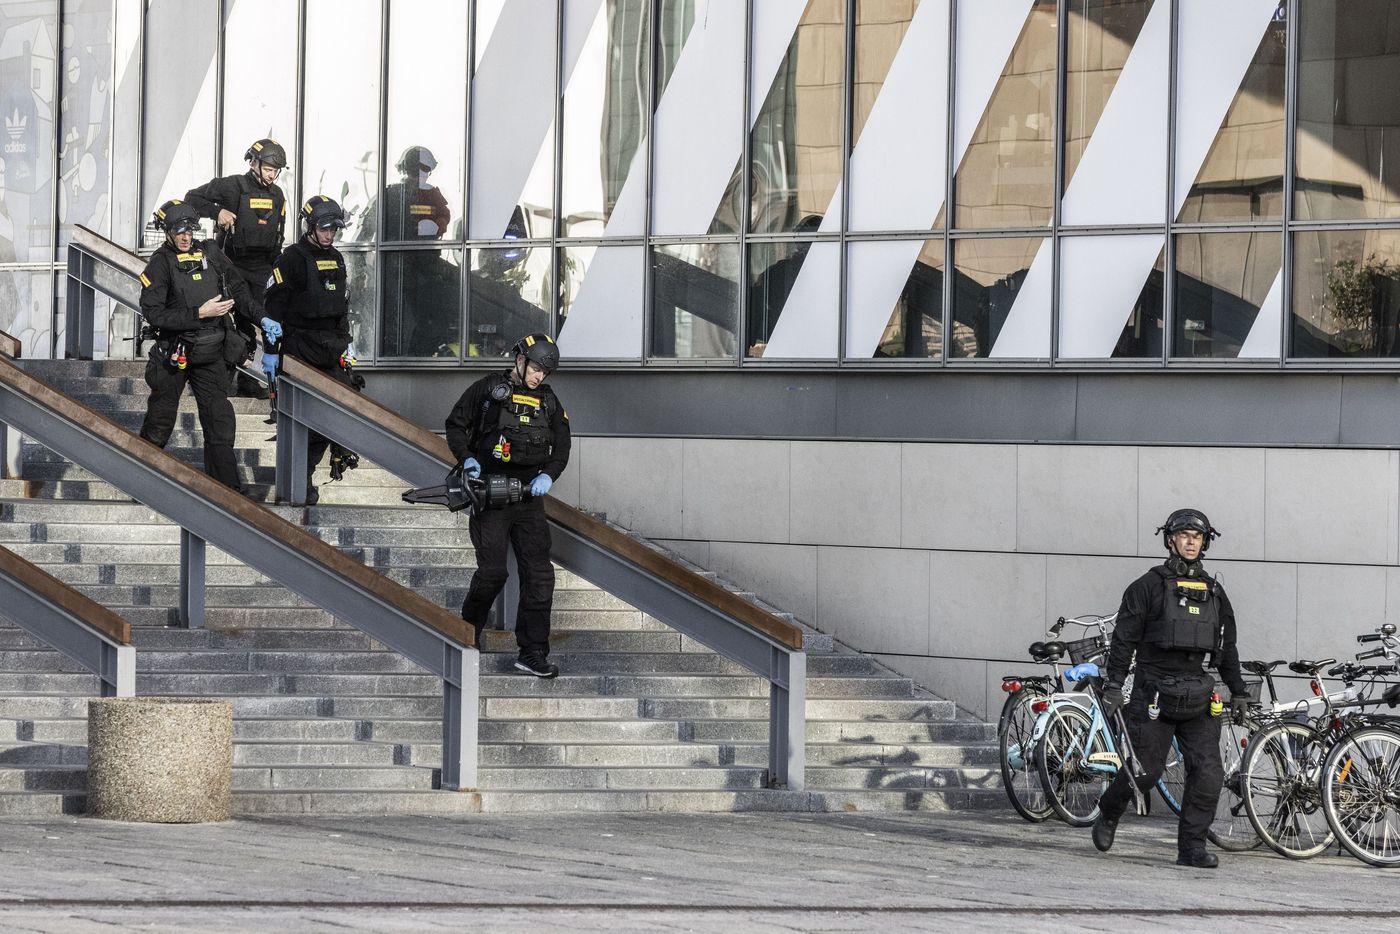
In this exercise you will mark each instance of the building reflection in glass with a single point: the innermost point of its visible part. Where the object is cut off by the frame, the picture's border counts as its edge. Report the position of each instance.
(1348, 136)
(1101, 34)
(1242, 176)
(1142, 335)
(509, 297)
(360, 272)
(695, 300)
(420, 299)
(1221, 282)
(915, 325)
(1346, 293)
(988, 275)
(1006, 177)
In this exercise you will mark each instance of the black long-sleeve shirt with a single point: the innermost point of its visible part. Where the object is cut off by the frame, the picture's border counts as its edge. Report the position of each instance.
(466, 440)
(1142, 603)
(160, 303)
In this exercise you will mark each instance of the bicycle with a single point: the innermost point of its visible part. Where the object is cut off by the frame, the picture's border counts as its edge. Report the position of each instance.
(1282, 769)
(1360, 780)
(1017, 720)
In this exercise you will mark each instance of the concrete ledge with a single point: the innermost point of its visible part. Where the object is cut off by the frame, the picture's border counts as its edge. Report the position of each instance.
(159, 759)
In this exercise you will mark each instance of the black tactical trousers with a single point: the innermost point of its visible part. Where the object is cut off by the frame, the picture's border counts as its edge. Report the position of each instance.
(209, 383)
(1199, 741)
(521, 526)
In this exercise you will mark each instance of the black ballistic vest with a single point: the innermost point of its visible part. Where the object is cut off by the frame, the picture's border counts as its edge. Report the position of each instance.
(326, 297)
(1190, 619)
(524, 435)
(193, 283)
(257, 231)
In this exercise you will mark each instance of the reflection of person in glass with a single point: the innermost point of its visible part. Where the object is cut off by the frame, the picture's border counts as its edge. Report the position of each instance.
(512, 424)
(426, 286)
(250, 211)
(190, 294)
(307, 316)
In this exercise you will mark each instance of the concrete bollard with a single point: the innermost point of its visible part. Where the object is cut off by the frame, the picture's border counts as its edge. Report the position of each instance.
(159, 759)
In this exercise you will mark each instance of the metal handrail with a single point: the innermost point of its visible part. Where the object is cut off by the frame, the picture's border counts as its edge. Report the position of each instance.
(308, 400)
(208, 511)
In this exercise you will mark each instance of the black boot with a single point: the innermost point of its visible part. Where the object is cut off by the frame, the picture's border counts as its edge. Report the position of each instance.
(1198, 859)
(1104, 829)
(535, 663)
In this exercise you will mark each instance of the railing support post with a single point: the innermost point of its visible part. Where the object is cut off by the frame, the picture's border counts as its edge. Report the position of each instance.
(508, 603)
(81, 302)
(191, 580)
(293, 440)
(118, 671)
(787, 721)
(461, 698)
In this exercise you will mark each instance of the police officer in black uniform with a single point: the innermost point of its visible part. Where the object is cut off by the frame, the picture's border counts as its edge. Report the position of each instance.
(512, 423)
(1178, 620)
(250, 211)
(190, 295)
(307, 309)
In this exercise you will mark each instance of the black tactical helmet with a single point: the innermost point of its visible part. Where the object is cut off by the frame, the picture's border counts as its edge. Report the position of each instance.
(268, 152)
(175, 216)
(413, 157)
(1188, 519)
(541, 349)
(320, 212)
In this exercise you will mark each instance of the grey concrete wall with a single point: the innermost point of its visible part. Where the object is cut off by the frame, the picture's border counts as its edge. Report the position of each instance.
(947, 559)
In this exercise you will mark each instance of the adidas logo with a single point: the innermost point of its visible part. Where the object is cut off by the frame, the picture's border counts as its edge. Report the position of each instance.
(14, 126)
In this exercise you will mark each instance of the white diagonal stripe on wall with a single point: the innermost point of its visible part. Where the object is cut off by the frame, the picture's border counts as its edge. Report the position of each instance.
(986, 36)
(1216, 43)
(897, 172)
(1122, 176)
(1267, 330)
(510, 128)
(1025, 334)
(1100, 280)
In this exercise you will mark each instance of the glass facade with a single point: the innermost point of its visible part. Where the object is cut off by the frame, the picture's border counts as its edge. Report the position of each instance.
(1147, 183)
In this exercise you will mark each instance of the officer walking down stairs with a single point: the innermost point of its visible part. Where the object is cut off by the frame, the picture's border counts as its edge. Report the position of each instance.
(512, 424)
(1178, 620)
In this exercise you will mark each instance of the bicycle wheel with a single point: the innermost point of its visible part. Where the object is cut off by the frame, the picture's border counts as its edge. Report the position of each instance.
(1061, 757)
(1279, 778)
(1018, 774)
(1361, 794)
(1231, 829)
(1172, 785)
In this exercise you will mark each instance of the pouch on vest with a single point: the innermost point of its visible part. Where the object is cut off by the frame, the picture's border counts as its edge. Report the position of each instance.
(1190, 616)
(204, 346)
(525, 437)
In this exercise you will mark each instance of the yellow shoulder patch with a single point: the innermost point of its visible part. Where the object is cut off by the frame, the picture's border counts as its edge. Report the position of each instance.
(144, 281)
(277, 274)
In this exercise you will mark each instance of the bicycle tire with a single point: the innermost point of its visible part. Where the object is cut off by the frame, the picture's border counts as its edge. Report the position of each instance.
(1019, 777)
(1073, 791)
(1172, 785)
(1361, 794)
(1231, 830)
(1279, 780)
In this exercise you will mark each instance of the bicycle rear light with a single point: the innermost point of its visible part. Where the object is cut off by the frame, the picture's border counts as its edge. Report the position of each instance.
(1316, 688)
(1011, 687)
(1040, 706)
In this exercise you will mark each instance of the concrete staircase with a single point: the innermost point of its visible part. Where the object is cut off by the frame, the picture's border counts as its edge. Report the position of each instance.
(328, 721)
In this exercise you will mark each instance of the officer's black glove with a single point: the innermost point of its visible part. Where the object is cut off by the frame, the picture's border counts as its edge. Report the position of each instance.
(1111, 700)
(1239, 707)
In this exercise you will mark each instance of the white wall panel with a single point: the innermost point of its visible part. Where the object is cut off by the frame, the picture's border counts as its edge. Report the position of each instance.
(1100, 280)
(1026, 331)
(605, 321)
(1216, 43)
(987, 32)
(1122, 176)
(1267, 330)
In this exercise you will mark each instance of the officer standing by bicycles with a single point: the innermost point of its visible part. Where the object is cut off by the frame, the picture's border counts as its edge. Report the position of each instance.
(1178, 621)
(190, 294)
(307, 309)
(250, 211)
(513, 424)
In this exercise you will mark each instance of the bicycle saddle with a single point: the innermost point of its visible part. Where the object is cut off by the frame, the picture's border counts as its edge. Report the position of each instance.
(1261, 668)
(1047, 651)
(1310, 668)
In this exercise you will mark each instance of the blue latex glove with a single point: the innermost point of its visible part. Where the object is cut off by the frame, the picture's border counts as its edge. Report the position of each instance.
(1082, 670)
(272, 330)
(270, 363)
(471, 467)
(541, 485)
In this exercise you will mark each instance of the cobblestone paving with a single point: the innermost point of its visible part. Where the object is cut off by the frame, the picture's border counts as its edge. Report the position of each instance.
(657, 872)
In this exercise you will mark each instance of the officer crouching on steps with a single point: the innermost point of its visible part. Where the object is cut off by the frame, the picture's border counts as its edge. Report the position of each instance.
(512, 423)
(1178, 620)
(190, 294)
(250, 211)
(307, 309)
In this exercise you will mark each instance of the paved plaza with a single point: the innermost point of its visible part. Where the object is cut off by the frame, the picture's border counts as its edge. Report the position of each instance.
(656, 872)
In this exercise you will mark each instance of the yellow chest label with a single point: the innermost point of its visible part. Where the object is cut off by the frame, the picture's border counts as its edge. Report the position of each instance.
(424, 209)
(260, 204)
(323, 265)
(195, 257)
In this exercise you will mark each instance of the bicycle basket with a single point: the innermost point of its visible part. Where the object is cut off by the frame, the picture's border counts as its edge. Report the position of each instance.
(1086, 650)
